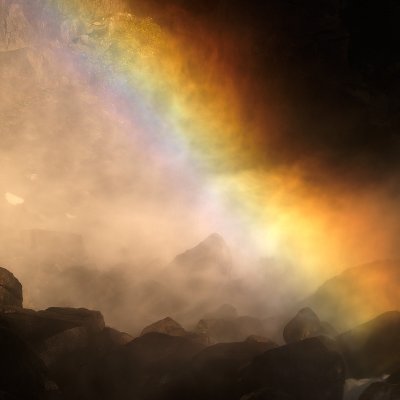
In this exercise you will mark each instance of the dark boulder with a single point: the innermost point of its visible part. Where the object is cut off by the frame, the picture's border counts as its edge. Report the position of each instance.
(140, 368)
(10, 290)
(311, 369)
(67, 341)
(72, 355)
(37, 326)
(381, 391)
(92, 320)
(167, 326)
(23, 375)
(306, 324)
(213, 373)
(373, 348)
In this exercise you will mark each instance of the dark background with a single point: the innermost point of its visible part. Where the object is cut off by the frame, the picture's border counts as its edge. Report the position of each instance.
(331, 68)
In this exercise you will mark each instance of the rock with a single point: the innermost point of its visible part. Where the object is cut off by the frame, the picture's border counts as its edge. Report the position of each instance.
(211, 254)
(53, 349)
(111, 337)
(167, 326)
(92, 320)
(306, 324)
(72, 355)
(138, 369)
(381, 391)
(37, 326)
(10, 290)
(230, 330)
(307, 370)
(23, 376)
(372, 349)
(214, 372)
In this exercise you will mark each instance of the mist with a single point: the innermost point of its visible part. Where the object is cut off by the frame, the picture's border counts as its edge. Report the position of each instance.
(102, 185)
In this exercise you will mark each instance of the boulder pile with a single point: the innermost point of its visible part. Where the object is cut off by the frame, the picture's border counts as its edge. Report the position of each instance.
(70, 353)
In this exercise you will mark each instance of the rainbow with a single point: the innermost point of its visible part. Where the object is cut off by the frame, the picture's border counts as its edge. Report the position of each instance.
(183, 102)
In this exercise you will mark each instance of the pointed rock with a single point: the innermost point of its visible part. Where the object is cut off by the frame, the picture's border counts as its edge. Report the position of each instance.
(212, 253)
(306, 324)
(167, 326)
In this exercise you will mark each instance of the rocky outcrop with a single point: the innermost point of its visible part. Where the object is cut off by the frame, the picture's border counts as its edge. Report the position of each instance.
(373, 348)
(10, 290)
(167, 326)
(307, 370)
(306, 324)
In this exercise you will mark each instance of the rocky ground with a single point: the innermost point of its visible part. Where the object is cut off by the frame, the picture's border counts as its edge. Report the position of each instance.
(70, 353)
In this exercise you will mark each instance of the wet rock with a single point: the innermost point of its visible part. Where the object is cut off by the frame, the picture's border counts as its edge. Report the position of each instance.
(139, 368)
(381, 391)
(214, 372)
(73, 355)
(307, 370)
(306, 324)
(22, 373)
(90, 319)
(111, 337)
(372, 349)
(56, 347)
(167, 326)
(10, 290)
(35, 327)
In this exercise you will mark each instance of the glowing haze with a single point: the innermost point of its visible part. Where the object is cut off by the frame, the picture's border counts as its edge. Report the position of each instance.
(145, 140)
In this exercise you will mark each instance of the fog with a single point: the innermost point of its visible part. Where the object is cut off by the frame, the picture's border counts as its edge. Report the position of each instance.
(101, 188)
